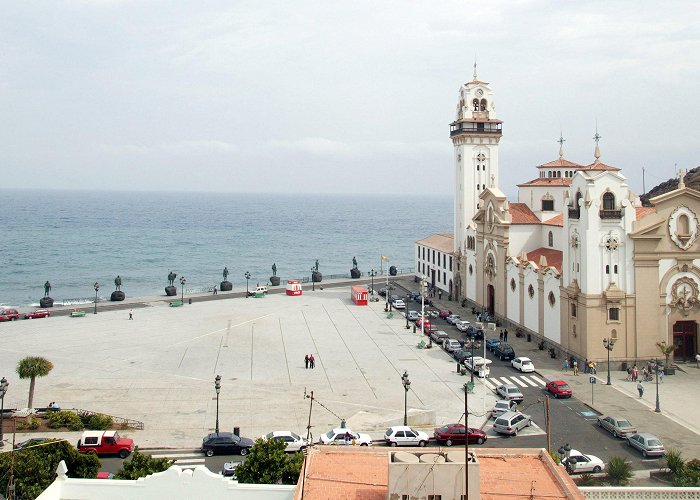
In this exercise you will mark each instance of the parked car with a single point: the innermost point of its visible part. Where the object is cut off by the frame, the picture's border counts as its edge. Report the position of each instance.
(337, 436)
(39, 313)
(511, 422)
(462, 325)
(432, 313)
(559, 389)
(393, 298)
(259, 290)
(491, 344)
(229, 469)
(523, 364)
(225, 443)
(510, 392)
(618, 427)
(382, 291)
(399, 304)
(474, 333)
(452, 318)
(105, 443)
(103, 474)
(402, 435)
(9, 314)
(647, 443)
(415, 296)
(450, 345)
(439, 336)
(455, 434)
(444, 313)
(504, 351)
(479, 365)
(427, 328)
(502, 406)
(293, 440)
(413, 315)
(577, 463)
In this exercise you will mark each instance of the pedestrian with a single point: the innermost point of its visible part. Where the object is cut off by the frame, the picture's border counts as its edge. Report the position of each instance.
(347, 438)
(661, 375)
(585, 366)
(576, 368)
(640, 388)
(635, 373)
(312, 361)
(500, 335)
(215, 290)
(593, 367)
(505, 335)
(565, 365)
(697, 360)
(131, 314)
(440, 295)
(306, 361)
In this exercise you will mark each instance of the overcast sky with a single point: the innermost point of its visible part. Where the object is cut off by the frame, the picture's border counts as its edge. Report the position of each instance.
(319, 96)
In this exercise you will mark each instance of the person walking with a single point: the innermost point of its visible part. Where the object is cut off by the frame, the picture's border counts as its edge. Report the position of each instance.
(635, 373)
(585, 366)
(576, 368)
(565, 365)
(640, 388)
(306, 361)
(697, 361)
(131, 314)
(505, 335)
(661, 375)
(312, 361)
(347, 438)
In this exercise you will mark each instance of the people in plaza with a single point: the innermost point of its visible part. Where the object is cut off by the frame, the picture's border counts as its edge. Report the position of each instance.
(215, 290)
(640, 388)
(312, 361)
(347, 438)
(575, 367)
(306, 361)
(565, 364)
(661, 376)
(697, 360)
(505, 335)
(500, 335)
(592, 367)
(635, 373)
(131, 314)
(585, 366)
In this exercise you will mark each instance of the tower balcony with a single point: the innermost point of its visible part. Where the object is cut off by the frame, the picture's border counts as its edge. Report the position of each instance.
(486, 127)
(610, 214)
(574, 213)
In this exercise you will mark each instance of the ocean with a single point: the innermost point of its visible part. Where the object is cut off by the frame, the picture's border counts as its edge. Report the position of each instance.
(76, 238)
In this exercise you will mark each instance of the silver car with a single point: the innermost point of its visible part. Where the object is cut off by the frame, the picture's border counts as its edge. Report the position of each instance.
(412, 315)
(452, 318)
(439, 336)
(451, 345)
(647, 443)
(510, 392)
(618, 427)
(511, 422)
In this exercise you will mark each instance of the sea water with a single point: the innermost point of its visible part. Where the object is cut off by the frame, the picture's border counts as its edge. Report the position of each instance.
(76, 238)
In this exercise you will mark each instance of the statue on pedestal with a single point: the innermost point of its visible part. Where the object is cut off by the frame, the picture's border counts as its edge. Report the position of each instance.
(170, 290)
(355, 272)
(226, 285)
(46, 301)
(274, 279)
(117, 295)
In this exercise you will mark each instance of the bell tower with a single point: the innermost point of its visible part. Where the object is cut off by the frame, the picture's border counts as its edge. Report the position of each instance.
(475, 135)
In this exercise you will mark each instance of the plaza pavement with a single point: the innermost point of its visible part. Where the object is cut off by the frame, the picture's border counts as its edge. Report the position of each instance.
(160, 367)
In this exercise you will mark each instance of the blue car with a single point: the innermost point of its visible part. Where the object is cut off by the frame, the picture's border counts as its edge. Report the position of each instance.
(491, 344)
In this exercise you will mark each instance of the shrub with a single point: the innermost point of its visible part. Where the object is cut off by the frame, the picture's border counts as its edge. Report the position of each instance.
(619, 471)
(99, 422)
(67, 419)
(586, 480)
(674, 461)
(693, 465)
(687, 478)
(33, 423)
(555, 456)
(22, 424)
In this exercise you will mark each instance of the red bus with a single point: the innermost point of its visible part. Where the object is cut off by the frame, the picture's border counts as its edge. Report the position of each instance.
(293, 287)
(358, 294)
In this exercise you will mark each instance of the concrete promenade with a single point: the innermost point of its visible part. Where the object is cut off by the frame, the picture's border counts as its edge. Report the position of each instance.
(160, 367)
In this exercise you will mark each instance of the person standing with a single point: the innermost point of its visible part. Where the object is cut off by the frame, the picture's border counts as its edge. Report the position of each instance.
(635, 373)
(306, 361)
(697, 360)
(131, 314)
(500, 335)
(585, 366)
(565, 365)
(640, 388)
(312, 361)
(576, 368)
(505, 335)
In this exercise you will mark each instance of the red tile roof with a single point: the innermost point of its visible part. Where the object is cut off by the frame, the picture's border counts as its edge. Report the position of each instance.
(644, 211)
(554, 257)
(521, 214)
(561, 162)
(599, 165)
(555, 221)
(548, 181)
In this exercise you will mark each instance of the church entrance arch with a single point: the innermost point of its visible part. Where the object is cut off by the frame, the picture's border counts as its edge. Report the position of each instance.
(685, 340)
(490, 299)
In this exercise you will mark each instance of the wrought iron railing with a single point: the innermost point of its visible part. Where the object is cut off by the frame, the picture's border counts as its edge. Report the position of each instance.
(610, 214)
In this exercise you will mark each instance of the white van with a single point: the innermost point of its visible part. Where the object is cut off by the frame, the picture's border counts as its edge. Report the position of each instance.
(480, 365)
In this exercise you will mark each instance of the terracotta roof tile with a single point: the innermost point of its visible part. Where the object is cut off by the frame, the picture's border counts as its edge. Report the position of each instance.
(599, 165)
(554, 257)
(644, 211)
(443, 242)
(548, 181)
(555, 221)
(560, 162)
(521, 214)
(520, 476)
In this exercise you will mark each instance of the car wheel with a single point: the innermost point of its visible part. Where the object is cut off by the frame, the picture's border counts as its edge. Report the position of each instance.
(615, 435)
(123, 454)
(480, 440)
(644, 453)
(393, 443)
(448, 442)
(529, 423)
(596, 469)
(515, 431)
(422, 444)
(244, 452)
(209, 453)
(363, 444)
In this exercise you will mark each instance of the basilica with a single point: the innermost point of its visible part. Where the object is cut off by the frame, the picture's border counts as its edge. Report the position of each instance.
(576, 261)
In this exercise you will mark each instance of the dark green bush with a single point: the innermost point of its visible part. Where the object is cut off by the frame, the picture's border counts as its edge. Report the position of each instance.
(67, 419)
(674, 461)
(99, 422)
(693, 465)
(586, 480)
(619, 471)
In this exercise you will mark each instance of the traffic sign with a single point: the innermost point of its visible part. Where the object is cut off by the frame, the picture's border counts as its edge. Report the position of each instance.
(592, 380)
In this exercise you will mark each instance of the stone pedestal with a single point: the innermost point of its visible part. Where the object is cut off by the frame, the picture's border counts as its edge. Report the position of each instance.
(226, 286)
(275, 280)
(393, 271)
(316, 277)
(117, 296)
(170, 291)
(46, 302)
(355, 273)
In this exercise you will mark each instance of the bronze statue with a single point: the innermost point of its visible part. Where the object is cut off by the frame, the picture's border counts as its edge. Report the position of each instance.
(171, 278)
(354, 263)
(47, 288)
(118, 282)
(274, 269)
(316, 266)
(225, 273)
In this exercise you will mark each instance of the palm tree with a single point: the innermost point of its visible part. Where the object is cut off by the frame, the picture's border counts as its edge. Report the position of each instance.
(32, 367)
(666, 350)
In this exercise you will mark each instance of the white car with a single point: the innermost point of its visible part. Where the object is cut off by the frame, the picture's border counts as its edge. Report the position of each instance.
(523, 364)
(577, 463)
(402, 435)
(399, 304)
(452, 318)
(502, 407)
(294, 441)
(338, 436)
(462, 325)
(451, 345)
(413, 315)
(481, 365)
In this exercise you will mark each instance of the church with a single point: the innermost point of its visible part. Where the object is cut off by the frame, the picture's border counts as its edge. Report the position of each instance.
(576, 261)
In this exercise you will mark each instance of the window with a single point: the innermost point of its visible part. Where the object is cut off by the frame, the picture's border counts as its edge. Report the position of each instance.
(549, 174)
(471, 270)
(608, 201)
(450, 263)
(483, 105)
(475, 104)
(423, 252)
(683, 226)
(433, 256)
(607, 269)
(530, 291)
(419, 252)
(434, 497)
(573, 310)
(405, 497)
(551, 239)
(478, 167)
(547, 205)
(552, 299)
(615, 268)
(614, 314)
(512, 284)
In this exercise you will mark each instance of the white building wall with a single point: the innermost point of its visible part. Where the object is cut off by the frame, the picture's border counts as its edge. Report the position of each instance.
(531, 304)
(471, 278)
(441, 265)
(552, 318)
(513, 296)
(524, 237)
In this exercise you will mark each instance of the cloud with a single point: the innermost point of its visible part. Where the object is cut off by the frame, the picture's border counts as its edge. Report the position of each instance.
(186, 147)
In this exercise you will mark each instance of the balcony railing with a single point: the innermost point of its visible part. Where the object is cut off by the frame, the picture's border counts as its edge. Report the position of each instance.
(475, 128)
(611, 214)
(574, 213)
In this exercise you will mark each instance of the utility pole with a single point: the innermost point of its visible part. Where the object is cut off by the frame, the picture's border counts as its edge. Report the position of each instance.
(549, 436)
(466, 443)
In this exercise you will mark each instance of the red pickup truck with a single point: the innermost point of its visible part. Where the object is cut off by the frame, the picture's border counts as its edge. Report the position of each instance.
(105, 443)
(9, 315)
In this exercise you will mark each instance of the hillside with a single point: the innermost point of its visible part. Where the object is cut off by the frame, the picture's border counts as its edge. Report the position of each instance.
(692, 180)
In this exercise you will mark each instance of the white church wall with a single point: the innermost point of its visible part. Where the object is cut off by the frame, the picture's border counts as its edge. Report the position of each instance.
(666, 264)
(531, 303)
(524, 237)
(552, 317)
(471, 277)
(513, 295)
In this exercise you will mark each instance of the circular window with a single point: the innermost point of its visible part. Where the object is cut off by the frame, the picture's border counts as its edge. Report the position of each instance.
(530, 291)
(471, 270)
(512, 284)
(552, 299)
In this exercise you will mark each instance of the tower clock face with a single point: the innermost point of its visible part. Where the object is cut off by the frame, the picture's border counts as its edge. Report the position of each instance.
(479, 92)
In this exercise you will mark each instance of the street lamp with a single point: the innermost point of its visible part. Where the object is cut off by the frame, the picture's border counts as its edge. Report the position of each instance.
(564, 451)
(217, 386)
(658, 406)
(3, 389)
(406, 385)
(405, 310)
(422, 305)
(247, 277)
(609, 344)
(182, 286)
(372, 273)
(97, 289)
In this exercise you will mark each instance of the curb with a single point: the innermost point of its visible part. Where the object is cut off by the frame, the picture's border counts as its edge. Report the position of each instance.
(166, 449)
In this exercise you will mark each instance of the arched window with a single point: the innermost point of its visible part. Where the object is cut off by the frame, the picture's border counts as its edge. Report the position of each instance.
(551, 239)
(478, 167)
(483, 105)
(475, 104)
(549, 174)
(683, 225)
(483, 186)
(607, 269)
(608, 201)
(512, 284)
(558, 173)
(577, 205)
(531, 291)
(615, 268)
(552, 299)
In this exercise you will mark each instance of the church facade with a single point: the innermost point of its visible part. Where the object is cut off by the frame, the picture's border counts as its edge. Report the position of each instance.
(576, 260)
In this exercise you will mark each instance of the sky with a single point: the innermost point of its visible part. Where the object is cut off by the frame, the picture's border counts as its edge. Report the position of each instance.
(337, 97)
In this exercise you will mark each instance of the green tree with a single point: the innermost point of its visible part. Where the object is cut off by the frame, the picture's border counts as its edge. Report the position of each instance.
(142, 465)
(34, 468)
(268, 463)
(32, 367)
(666, 350)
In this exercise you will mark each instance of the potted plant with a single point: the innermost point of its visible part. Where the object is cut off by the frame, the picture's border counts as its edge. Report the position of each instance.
(552, 352)
(540, 346)
(667, 350)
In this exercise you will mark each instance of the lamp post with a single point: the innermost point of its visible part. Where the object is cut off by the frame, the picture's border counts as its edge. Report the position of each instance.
(313, 283)
(422, 304)
(247, 277)
(405, 310)
(658, 406)
(217, 386)
(372, 273)
(608, 344)
(3, 389)
(97, 289)
(182, 287)
(406, 386)
(564, 452)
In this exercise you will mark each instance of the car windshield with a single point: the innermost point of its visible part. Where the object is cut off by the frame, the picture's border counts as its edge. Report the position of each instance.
(623, 423)
(295, 436)
(654, 442)
(444, 428)
(513, 390)
(270, 435)
(330, 434)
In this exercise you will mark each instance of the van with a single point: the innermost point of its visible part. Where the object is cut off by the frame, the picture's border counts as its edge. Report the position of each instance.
(259, 291)
(511, 422)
